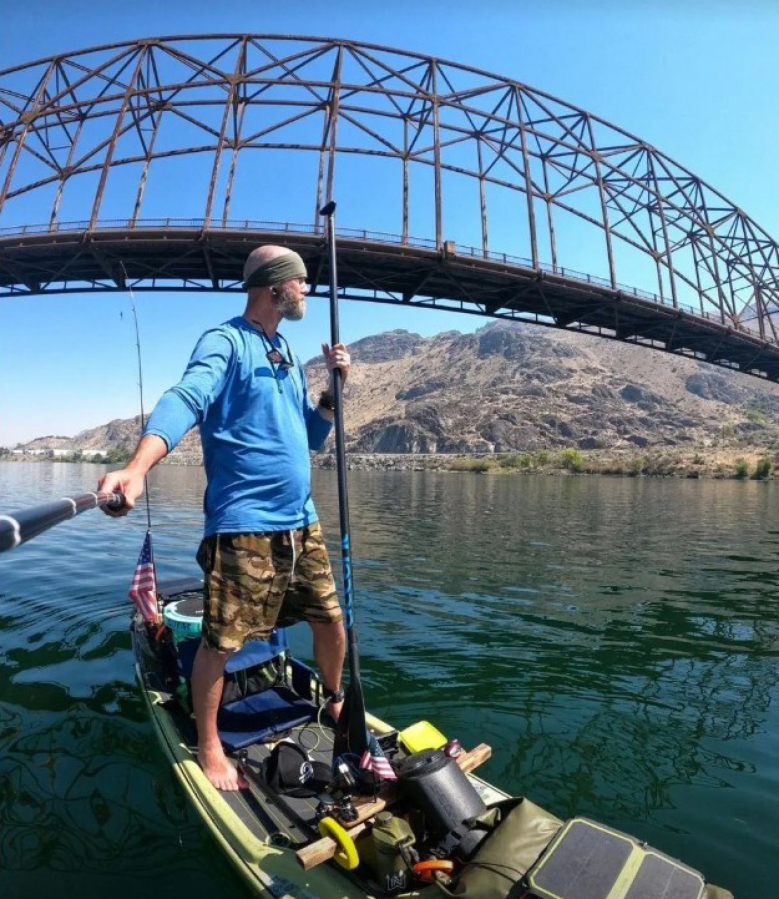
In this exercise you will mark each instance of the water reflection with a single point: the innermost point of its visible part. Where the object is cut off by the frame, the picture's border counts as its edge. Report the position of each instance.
(82, 797)
(615, 641)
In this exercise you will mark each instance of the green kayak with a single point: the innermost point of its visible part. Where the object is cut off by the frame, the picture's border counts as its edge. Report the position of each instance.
(307, 828)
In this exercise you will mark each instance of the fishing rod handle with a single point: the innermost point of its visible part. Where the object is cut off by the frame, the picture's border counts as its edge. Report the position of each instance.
(113, 501)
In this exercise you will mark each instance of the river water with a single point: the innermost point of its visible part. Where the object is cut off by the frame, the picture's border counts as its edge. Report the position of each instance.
(614, 640)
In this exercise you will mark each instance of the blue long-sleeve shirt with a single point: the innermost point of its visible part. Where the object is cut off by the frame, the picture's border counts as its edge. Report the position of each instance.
(257, 425)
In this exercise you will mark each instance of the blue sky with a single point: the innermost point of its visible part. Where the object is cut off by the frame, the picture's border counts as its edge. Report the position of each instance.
(696, 79)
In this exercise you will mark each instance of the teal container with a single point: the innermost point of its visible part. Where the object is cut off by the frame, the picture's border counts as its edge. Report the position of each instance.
(184, 618)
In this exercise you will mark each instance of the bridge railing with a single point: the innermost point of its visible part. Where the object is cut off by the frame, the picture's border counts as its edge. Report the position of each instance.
(358, 234)
(236, 225)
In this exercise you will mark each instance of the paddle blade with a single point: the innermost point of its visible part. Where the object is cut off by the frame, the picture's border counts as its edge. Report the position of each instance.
(354, 742)
(355, 726)
(351, 735)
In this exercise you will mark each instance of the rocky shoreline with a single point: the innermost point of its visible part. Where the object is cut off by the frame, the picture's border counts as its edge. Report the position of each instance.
(512, 398)
(733, 464)
(740, 463)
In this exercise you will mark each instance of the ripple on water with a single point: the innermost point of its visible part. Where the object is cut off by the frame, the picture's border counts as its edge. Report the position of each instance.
(614, 641)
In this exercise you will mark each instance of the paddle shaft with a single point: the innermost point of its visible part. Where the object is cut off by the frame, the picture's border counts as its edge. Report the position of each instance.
(23, 526)
(340, 450)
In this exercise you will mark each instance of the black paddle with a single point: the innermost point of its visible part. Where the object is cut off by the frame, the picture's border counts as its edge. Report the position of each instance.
(351, 725)
(23, 526)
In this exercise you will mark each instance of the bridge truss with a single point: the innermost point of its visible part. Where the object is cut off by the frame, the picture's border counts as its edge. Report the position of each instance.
(161, 161)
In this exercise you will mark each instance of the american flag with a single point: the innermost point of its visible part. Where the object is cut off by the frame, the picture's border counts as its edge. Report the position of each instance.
(374, 760)
(143, 589)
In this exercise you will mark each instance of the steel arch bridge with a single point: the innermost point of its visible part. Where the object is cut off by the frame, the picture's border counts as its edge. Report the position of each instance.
(158, 163)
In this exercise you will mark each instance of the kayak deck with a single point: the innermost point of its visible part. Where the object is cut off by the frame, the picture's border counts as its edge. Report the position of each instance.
(274, 838)
(287, 821)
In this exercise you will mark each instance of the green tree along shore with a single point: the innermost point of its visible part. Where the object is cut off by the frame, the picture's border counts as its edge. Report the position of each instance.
(650, 463)
(114, 456)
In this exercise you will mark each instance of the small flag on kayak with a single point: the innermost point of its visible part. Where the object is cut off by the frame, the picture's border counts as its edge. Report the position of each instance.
(374, 760)
(143, 589)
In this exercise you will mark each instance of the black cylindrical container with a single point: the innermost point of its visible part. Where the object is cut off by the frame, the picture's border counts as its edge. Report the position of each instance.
(434, 783)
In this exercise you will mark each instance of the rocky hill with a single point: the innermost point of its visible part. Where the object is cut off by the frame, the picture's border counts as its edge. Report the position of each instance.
(513, 387)
(520, 388)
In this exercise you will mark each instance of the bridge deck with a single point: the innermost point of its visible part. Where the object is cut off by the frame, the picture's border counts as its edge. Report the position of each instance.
(192, 258)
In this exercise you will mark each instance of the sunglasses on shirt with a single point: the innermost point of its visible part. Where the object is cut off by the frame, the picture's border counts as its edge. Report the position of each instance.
(274, 354)
(276, 358)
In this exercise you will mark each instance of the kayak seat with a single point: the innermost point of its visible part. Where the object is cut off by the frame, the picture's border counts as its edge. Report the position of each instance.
(262, 716)
(266, 691)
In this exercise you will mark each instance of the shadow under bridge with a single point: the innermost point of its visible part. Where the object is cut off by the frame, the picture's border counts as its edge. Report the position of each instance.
(176, 255)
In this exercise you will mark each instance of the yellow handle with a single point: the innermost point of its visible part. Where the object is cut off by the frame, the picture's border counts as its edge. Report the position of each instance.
(346, 854)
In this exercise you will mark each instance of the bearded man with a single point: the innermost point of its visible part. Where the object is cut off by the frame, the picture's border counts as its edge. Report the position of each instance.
(262, 554)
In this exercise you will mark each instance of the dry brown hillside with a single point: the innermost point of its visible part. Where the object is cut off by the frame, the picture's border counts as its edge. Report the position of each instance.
(520, 388)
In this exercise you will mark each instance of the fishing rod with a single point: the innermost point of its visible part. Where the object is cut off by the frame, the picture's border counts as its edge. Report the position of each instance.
(143, 588)
(23, 526)
(353, 713)
(140, 386)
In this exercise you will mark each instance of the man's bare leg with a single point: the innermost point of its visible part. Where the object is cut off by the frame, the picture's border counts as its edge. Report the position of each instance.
(329, 649)
(207, 681)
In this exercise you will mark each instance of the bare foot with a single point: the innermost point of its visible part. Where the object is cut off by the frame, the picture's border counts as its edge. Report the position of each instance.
(217, 768)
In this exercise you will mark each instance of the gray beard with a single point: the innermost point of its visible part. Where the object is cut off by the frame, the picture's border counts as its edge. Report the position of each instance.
(288, 307)
(293, 312)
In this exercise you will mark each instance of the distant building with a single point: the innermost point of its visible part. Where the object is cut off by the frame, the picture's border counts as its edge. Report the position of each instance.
(59, 453)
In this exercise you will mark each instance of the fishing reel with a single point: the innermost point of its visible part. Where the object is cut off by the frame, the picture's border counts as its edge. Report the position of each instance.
(346, 810)
(338, 802)
(325, 808)
(343, 810)
(344, 781)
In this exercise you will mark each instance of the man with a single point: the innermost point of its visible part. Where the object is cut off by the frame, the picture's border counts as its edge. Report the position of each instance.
(249, 396)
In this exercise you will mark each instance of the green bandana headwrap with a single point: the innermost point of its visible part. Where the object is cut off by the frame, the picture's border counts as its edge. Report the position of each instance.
(282, 268)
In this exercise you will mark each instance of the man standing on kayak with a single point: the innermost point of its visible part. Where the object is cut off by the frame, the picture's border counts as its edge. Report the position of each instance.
(263, 554)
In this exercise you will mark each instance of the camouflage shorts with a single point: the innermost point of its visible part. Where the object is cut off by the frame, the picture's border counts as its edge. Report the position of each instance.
(251, 585)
